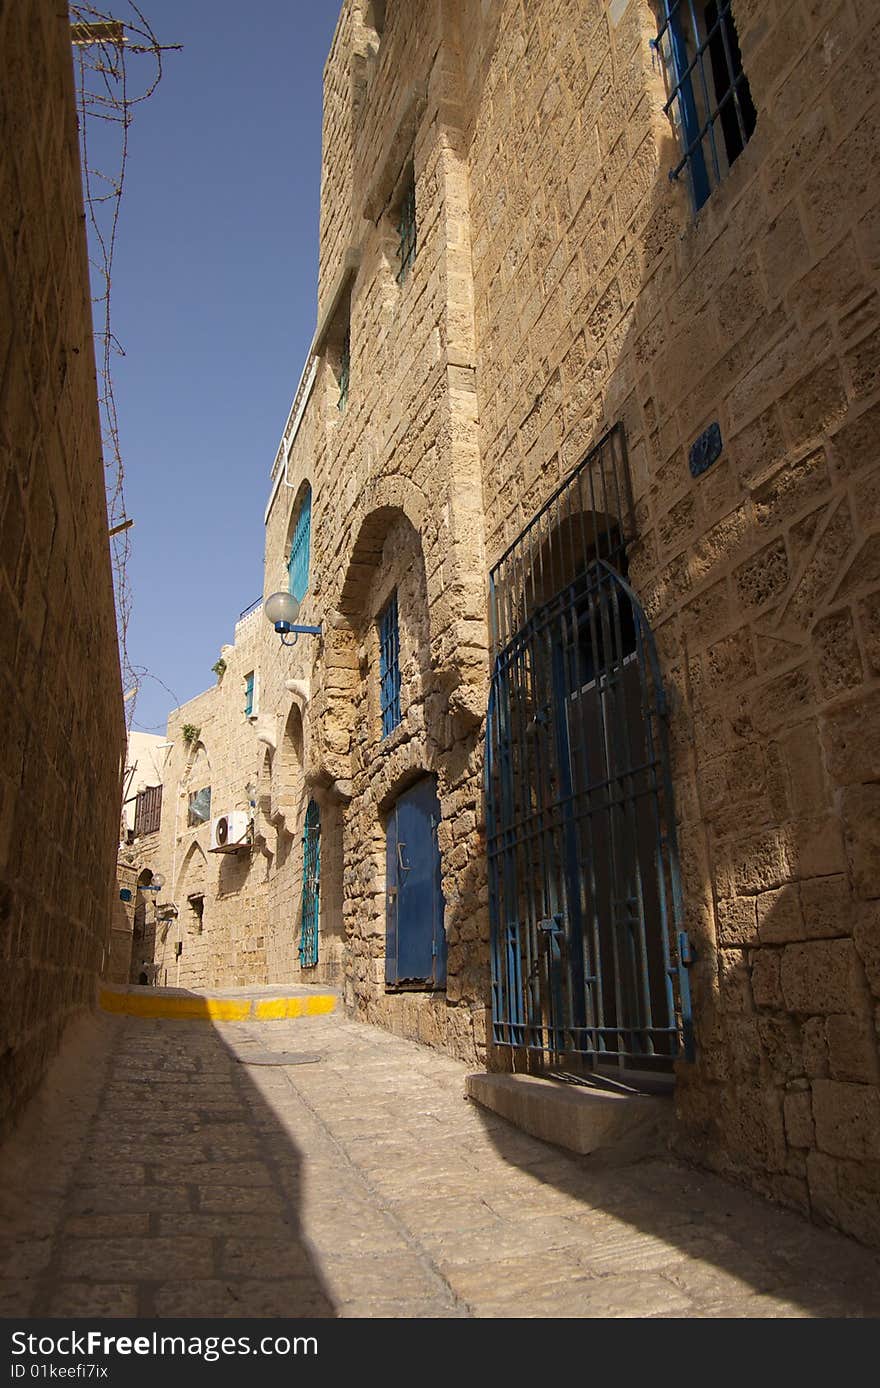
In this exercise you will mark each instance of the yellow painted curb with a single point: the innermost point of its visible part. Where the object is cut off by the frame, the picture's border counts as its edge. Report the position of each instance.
(215, 1009)
(272, 1009)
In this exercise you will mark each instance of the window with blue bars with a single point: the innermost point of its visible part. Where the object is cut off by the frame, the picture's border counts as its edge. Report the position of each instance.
(249, 694)
(708, 92)
(344, 370)
(406, 228)
(298, 564)
(389, 666)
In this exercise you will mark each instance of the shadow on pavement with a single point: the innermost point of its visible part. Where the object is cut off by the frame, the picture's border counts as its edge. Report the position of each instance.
(752, 1247)
(181, 1199)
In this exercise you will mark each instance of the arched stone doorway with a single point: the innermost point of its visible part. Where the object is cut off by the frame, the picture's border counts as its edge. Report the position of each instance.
(589, 954)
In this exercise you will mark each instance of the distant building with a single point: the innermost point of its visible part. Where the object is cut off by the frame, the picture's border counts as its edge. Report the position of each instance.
(132, 941)
(581, 483)
(63, 732)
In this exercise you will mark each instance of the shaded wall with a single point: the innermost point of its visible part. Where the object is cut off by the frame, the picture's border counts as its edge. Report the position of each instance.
(61, 725)
(601, 297)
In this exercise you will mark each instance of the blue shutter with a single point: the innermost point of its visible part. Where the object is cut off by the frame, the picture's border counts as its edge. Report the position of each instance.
(249, 694)
(389, 666)
(298, 567)
(311, 887)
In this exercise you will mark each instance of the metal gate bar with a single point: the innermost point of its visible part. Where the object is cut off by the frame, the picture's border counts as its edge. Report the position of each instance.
(589, 954)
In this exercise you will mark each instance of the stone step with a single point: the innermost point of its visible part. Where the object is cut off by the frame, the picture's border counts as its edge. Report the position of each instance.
(577, 1117)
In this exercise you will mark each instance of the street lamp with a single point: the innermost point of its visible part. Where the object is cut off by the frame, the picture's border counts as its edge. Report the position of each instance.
(282, 610)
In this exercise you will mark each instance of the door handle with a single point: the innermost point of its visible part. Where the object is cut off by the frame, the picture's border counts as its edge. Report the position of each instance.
(404, 867)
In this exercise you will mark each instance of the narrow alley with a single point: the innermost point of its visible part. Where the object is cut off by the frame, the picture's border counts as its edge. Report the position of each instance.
(320, 1167)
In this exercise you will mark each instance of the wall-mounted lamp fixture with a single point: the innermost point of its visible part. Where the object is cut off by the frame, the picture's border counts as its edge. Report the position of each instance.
(282, 610)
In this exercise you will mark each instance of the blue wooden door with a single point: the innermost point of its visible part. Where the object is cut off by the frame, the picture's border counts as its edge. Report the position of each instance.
(415, 946)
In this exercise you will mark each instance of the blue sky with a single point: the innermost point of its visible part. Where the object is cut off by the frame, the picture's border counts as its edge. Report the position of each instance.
(214, 296)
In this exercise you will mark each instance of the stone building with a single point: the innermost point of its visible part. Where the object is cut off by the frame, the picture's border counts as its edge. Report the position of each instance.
(132, 939)
(580, 482)
(63, 733)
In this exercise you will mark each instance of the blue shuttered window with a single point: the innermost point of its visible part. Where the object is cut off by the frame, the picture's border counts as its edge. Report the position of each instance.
(389, 666)
(344, 370)
(298, 565)
(311, 887)
(709, 96)
(249, 694)
(406, 229)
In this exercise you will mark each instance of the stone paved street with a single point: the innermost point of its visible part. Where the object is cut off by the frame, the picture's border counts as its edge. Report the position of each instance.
(157, 1174)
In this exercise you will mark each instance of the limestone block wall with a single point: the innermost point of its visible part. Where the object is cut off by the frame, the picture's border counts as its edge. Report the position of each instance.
(61, 726)
(141, 859)
(599, 296)
(396, 495)
(222, 941)
(117, 964)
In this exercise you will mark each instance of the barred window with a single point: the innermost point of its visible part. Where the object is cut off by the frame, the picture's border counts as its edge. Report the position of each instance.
(249, 694)
(298, 564)
(147, 811)
(708, 93)
(389, 666)
(344, 370)
(406, 228)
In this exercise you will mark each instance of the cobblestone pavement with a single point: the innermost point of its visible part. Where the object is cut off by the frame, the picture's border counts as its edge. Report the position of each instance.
(159, 1175)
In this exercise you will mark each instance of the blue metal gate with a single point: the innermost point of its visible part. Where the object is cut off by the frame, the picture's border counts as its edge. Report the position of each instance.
(311, 887)
(589, 953)
(415, 938)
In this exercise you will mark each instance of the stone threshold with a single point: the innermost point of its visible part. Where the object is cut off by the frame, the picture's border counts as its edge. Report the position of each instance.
(577, 1118)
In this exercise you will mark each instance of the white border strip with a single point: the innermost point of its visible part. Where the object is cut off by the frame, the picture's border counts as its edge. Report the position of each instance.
(291, 429)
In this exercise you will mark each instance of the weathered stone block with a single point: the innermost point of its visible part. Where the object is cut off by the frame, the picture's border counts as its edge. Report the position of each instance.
(820, 977)
(851, 736)
(779, 916)
(837, 653)
(780, 701)
(815, 404)
(863, 365)
(764, 576)
(847, 1118)
(766, 977)
(782, 1047)
(798, 1113)
(733, 981)
(852, 1049)
(861, 816)
(759, 863)
(826, 906)
(815, 1048)
(866, 937)
(737, 922)
(869, 623)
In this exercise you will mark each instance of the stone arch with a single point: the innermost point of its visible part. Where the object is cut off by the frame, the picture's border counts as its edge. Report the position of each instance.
(192, 887)
(564, 546)
(199, 766)
(143, 930)
(303, 490)
(382, 504)
(264, 789)
(289, 778)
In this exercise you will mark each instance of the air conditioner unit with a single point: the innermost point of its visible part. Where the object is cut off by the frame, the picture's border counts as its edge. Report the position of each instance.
(229, 832)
